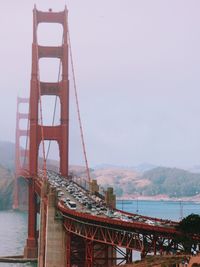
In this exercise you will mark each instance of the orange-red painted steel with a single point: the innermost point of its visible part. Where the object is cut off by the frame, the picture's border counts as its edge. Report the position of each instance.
(60, 89)
(85, 233)
(38, 132)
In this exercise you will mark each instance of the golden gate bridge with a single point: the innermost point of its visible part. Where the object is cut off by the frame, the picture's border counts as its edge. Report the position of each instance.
(78, 225)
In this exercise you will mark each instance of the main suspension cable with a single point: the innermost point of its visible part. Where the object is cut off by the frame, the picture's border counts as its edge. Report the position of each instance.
(78, 109)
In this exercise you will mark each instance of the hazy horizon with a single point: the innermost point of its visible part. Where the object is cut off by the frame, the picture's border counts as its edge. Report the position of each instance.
(137, 68)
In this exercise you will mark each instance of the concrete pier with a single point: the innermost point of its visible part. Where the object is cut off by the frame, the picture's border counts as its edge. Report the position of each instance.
(54, 242)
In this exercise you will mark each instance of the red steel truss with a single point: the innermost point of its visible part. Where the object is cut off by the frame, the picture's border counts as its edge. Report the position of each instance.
(86, 253)
(102, 234)
(106, 231)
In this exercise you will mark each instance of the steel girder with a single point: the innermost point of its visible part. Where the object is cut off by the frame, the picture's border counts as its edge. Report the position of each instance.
(102, 234)
(143, 242)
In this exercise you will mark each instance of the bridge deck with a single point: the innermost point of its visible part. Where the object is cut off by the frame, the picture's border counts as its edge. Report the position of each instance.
(88, 206)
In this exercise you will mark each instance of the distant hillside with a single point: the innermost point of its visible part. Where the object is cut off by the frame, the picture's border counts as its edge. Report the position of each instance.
(127, 181)
(139, 168)
(7, 155)
(143, 167)
(194, 169)
(160, 181)
(122, 180)
(6, 188)
(172, 182)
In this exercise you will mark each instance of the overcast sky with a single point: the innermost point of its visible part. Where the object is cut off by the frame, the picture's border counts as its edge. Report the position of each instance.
(137, 66)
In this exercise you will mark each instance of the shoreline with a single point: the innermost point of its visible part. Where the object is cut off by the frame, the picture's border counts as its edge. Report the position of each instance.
(166, 198)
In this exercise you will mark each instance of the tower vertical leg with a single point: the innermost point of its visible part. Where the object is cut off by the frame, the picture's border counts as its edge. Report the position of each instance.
(31, 246)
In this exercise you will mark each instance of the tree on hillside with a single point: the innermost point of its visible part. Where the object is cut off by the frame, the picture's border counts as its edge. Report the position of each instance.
(171, 181)
(190, 224)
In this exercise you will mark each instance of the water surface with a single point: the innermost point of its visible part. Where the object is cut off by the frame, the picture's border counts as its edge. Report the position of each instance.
(13, 225)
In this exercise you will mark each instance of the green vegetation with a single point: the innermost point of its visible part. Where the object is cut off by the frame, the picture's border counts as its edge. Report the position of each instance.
(190, 224)
(171, 181)
(6, 188)
(152, 261)
(7, 155)
(7, 163)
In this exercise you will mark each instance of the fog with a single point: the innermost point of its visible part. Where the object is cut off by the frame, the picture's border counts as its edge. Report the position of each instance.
(137, 68)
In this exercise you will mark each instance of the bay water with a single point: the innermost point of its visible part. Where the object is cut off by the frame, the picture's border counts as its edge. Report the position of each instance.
(13, 225)
(173, 210)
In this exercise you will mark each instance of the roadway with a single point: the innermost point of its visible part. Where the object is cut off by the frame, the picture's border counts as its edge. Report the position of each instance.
(87, 215)
(68, 191)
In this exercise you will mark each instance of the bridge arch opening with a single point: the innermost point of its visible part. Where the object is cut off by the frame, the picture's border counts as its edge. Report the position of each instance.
(50, 70)
(24, 108)
(23, 124)
(51, 109)
(23, 141)
(50, 34)
(52, 155)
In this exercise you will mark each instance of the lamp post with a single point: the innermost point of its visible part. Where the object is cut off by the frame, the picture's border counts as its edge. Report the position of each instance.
(137, 209)
(181, 209)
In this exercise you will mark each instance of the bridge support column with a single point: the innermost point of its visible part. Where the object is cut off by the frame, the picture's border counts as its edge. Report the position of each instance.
(111, 256)
(129, 255)
(103, 255)
(30, 250)
(154, 245)
(78, 252)
(55, 249)
(89, 253)
(110, 198)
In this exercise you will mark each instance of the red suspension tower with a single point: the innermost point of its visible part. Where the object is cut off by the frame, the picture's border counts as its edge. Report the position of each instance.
(21, 156)
(38, 132)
